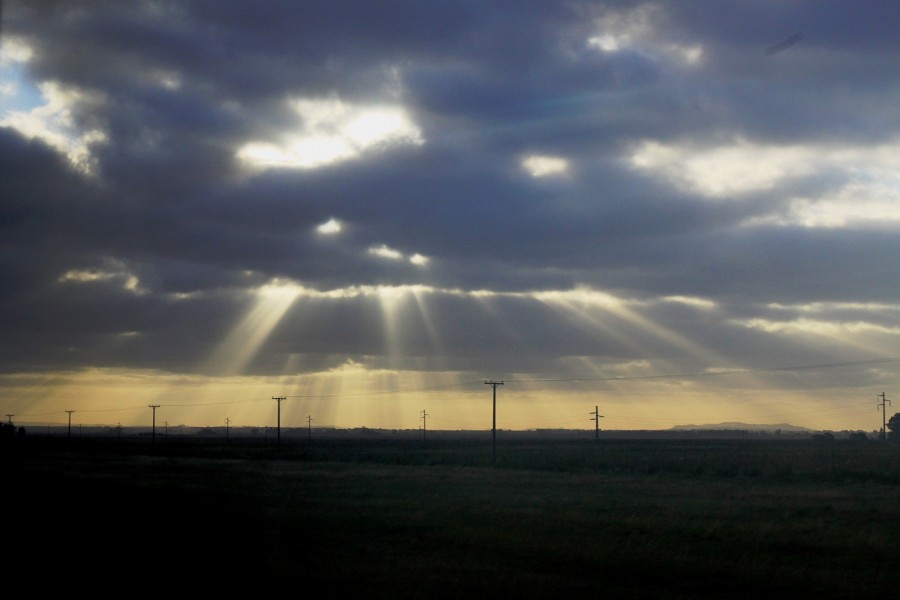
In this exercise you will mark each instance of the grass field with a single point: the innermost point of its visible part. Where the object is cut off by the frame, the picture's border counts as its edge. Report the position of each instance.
(660, 519)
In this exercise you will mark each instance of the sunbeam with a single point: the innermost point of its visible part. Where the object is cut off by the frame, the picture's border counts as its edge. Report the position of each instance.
(243, 342)
(614, 317)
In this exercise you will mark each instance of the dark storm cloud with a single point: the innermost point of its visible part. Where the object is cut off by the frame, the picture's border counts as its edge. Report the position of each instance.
(178, 87)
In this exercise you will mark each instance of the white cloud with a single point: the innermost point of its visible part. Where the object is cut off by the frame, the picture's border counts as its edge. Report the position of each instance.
(642, 30)
(869, 196)
(330, 227)
(382, 251)
(725, 170)
(387, 253)
(332, 131)
(13, 50)
(620, 30)
(607, 42)
(115, 272)
(544, 166)
(419, 260)
(693, 301)
(803, 325)
(858, 204)
(52, 123)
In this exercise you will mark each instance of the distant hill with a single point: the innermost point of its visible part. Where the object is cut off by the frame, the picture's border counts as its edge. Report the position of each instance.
(743, 427)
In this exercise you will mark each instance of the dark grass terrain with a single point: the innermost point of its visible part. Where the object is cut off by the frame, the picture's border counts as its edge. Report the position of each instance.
(401, 519)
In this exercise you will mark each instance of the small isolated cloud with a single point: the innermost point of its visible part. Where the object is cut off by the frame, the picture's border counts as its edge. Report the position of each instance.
(385, 252)
(330, 227)
(545, 166)
(382, 251)
(116, 273)
(419, 260)
(606, 42)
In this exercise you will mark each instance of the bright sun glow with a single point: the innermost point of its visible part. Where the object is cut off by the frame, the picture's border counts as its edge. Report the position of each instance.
(332, 131)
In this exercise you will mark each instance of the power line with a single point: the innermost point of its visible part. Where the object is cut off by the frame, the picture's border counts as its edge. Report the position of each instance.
(524, 381)
(394, 391)
(711, 373)
(220, 403)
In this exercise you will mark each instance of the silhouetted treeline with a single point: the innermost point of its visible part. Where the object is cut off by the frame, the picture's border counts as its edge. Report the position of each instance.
(8, 431)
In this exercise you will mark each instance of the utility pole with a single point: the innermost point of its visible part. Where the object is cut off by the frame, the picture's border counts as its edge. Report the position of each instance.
(154, 407)
(882, 404)
(494, 385)
(309, 421)
(226, 428)
(70, 421)
(424, 416)
(596, 420)
(9, 418)
(279, 399)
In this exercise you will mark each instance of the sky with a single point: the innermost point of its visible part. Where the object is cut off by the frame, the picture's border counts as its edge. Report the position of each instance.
(662, 213)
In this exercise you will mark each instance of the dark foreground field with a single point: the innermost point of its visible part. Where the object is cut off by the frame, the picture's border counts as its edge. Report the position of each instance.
(388, 519)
